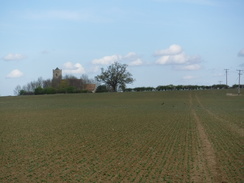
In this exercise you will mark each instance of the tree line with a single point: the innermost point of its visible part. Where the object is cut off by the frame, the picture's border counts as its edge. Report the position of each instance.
(113, 79)
(69, 84)
(180, 87)
(47, 87)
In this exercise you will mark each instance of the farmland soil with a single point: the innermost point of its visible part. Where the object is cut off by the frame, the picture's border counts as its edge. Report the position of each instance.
(176, 136)
(209, 165)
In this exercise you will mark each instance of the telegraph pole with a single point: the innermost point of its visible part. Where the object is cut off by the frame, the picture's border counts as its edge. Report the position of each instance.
(239, 88)
(226, 72)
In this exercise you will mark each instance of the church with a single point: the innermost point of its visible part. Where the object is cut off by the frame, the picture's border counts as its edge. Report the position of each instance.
(78, 84)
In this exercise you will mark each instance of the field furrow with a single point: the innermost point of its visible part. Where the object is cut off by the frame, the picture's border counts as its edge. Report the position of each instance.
(183, 136)
(226, 143)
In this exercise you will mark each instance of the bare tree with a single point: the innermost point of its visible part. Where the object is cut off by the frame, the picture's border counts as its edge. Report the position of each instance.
(17, 90)
(115, 77)
(47, 83)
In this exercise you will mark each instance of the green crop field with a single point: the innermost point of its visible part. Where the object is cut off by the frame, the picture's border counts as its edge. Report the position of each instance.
(177, 136)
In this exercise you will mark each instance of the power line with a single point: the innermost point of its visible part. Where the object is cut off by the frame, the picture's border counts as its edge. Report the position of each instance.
(239, 88)
(226, 73)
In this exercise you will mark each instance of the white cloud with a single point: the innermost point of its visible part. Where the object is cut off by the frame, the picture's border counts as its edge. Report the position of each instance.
(130, 55)
(130, 58)
(174, 55)
(173, 59)
(172, 50)
(13, 56)
(15, 74)
(107, 60)
(241, 53)
(191, 67)
(71, 68)
(136, 62)
(95, 68)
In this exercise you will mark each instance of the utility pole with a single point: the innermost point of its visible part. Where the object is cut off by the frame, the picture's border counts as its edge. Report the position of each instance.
(226, 72)
(239, 88)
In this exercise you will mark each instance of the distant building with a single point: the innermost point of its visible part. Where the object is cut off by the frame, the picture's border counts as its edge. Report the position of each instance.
(57, 74)
(90, 87)
(78, 84)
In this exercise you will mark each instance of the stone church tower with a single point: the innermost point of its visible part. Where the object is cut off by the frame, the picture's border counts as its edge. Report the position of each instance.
(57, 74)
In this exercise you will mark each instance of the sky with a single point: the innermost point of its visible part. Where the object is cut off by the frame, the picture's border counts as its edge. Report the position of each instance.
(180, 42)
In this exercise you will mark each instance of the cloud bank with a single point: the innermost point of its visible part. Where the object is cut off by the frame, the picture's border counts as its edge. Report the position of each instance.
(14, 56)
(174, 55)
(15, 74)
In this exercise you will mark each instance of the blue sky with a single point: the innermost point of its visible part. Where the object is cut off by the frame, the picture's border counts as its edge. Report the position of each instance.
(162, 41)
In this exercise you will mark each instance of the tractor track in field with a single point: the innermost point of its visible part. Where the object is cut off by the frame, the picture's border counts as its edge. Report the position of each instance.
(233, 127)
(210, 167)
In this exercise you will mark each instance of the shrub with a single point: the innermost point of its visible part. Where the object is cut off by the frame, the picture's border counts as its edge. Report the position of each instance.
(39, 91)
(50, 90)
(101, 89)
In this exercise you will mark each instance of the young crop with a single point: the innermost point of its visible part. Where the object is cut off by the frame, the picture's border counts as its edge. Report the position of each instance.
(122, 137)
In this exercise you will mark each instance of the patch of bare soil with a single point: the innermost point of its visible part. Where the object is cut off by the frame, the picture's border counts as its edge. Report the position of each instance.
(209, 165)
(232, 94)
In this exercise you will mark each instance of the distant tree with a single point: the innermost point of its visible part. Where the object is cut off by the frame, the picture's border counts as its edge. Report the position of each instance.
(128, 90)
(116, 76)
(47, 83)
(39, 91)
(237, 86)
(219, 86)
(17, 90)
(71, 89)
(86, 80)
(22, 92)
(101, 89)
(69, 77)
(49, 90)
